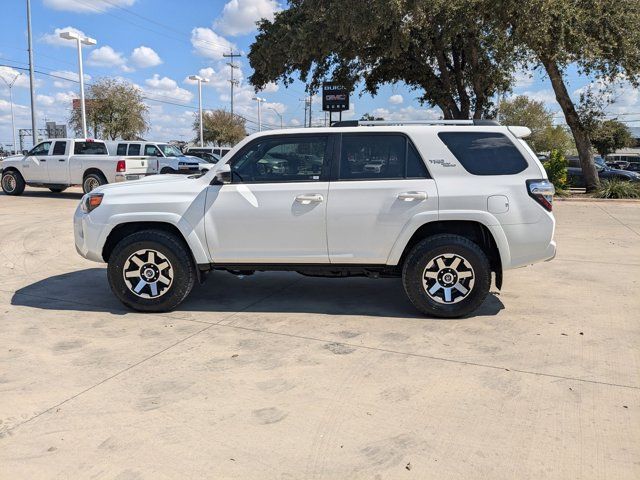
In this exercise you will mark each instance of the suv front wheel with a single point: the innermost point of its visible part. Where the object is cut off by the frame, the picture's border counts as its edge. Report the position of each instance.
(446, 276)
(151, 271)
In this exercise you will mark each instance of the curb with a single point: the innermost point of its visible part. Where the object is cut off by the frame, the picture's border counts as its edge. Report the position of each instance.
(597, 200)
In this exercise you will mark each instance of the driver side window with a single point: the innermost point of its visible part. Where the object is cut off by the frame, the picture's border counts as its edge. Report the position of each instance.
(282, 159)
(41, 149)
(152, 151)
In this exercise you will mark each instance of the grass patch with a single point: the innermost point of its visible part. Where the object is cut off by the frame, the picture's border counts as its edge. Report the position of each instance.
(615, 188)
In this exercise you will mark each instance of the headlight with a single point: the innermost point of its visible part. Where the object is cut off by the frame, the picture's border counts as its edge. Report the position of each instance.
(91, 201)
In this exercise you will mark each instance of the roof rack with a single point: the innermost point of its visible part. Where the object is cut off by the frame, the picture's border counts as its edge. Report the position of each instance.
(377, 123)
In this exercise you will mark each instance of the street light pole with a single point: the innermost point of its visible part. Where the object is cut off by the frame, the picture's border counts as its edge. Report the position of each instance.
(13, 121)
(79, 42)
(279, 115)
(200, 80)
(259, 100)
(32, 77)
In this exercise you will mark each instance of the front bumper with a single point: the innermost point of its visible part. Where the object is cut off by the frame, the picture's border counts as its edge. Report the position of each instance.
(86, 235)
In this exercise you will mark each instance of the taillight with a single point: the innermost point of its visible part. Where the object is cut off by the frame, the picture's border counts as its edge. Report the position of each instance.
(121, 166)
(542, 191)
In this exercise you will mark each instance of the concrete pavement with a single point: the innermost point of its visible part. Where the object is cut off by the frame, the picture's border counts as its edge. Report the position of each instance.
(287, 377)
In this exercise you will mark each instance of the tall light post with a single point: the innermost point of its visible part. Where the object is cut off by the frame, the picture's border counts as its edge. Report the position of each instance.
(200, 81)
(279, 115)
(259, 100)
(80, 40)
(13, 122)
(32, 78)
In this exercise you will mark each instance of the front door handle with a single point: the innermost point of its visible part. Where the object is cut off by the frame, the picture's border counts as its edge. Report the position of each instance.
(411, 196)
(307, 199)
(62, 160)
(43, 159)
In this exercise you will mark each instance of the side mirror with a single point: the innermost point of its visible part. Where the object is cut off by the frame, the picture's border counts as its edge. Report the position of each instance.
(223, 175)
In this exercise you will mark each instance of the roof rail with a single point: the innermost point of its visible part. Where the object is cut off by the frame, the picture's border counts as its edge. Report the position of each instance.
(377, 123)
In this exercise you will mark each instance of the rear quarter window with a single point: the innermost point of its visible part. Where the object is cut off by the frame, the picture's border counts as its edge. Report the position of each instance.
(485, 153)
(122, 149)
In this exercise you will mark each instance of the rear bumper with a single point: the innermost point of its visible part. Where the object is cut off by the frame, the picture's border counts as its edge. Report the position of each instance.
(127, 177)
(531, 243)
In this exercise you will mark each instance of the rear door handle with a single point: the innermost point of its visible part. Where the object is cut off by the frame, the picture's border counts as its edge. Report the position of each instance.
(61, 159)
(411, 196)
(43, 159)
(307, 199)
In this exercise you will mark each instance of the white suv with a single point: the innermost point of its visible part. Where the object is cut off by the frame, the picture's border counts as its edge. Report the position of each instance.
(447, 204)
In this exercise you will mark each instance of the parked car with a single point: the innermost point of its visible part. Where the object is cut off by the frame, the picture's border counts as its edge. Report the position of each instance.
(626, 161)
(576, 179)
(60, 163)
(219, 151)
(170, 159)
(206, 156)
(454, 204)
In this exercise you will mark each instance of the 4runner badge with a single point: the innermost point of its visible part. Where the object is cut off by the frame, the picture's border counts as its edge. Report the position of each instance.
(442, 162)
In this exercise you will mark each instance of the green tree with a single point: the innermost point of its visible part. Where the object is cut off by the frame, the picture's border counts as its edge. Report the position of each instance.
(545, 136)
(114, 109)
(455, 58)
(367, 117)
(609, 136)
(600, 37)
(220, 127)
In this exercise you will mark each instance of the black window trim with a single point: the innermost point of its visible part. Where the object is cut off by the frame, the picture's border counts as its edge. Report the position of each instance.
(325, 176)
(337, 158)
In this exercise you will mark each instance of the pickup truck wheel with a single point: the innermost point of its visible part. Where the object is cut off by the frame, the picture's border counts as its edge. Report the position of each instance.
(12, 182)
(57, 189)
(151, 271)
(93, 181)
(446, 276)
(167, 170)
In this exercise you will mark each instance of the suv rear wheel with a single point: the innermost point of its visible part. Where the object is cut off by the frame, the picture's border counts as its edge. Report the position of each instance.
(151, 271)
(446, 276)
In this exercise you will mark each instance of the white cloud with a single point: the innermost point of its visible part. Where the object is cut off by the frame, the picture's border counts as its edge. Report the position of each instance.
(106, 57)
(396, 99)
(270, 87)
(209, 44)
(86, 6)
(407, 113)
(167, 88)
(240, 16)
(546, 96)
(8, 74)
(144, 57)
(71, 78)
(54, 38)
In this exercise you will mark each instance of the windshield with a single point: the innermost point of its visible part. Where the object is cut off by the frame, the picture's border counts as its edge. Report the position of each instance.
(170, 150)
(600, 163)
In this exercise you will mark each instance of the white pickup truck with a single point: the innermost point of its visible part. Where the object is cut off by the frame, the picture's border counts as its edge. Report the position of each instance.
(59, 163)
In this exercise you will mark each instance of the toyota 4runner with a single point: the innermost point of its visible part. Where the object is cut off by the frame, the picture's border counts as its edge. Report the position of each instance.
(447, 205)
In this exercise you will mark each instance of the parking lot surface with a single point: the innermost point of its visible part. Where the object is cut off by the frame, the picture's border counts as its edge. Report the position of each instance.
(279, 376)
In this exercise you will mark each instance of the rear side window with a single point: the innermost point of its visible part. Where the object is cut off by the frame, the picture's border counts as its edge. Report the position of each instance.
(59, 148)
(379, 157)
(134, 149)
(122, 149)
(484, 153)
(90, 148)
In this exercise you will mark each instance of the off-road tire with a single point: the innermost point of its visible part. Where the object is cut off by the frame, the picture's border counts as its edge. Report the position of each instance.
(12, 182)
(173, 249)
(93, 181)
(415, 266)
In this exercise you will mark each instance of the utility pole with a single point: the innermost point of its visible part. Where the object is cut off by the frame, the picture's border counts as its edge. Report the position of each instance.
(13, 122)
(233, 66)
(32, 78)
(310, 105)
(200, 80)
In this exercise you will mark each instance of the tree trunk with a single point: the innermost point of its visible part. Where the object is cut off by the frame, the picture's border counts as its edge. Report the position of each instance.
(580, 135)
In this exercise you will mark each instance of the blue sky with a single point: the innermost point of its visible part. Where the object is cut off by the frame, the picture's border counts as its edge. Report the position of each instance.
(157, 44)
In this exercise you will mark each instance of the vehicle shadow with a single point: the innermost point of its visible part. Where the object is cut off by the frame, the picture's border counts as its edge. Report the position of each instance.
(42, 193)
(284, 292)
